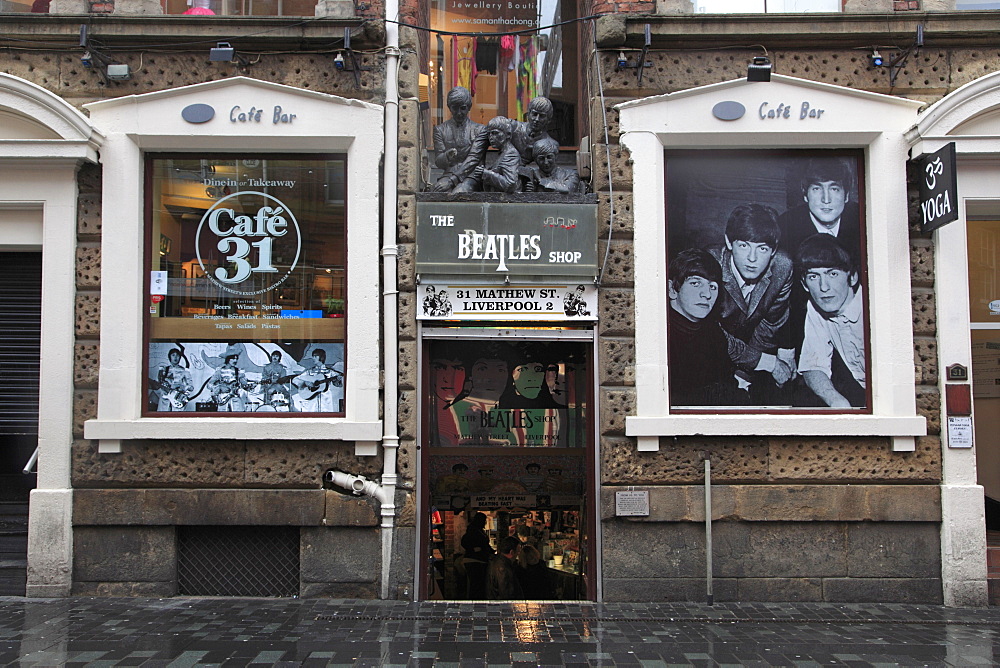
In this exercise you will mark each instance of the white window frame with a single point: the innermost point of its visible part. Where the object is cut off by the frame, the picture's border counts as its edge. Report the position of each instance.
(853, 119)
(153, 123)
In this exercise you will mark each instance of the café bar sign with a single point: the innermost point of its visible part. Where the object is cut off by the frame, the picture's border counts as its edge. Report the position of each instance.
(567, 301)
(488, 238)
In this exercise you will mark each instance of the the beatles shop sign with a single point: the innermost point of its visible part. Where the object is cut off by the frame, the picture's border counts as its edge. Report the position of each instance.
(496, 239)
(938, 187)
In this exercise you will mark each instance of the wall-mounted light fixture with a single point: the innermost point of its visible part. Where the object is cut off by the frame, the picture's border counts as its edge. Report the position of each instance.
(223, 52)
(759, 69)
(876, 58)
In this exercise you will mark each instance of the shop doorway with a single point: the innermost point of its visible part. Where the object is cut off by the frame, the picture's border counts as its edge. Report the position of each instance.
(20, 335)
(983, 238)
(508, 451)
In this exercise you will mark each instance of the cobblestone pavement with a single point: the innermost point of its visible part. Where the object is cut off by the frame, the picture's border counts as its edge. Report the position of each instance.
(181, 632)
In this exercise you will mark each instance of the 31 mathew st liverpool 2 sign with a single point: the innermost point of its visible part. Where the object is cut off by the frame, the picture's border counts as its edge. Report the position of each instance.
(491, 239)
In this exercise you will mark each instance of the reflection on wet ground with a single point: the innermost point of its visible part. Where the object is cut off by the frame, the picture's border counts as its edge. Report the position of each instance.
(182, 632)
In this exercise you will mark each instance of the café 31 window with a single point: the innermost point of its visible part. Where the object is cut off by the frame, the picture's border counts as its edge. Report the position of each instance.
(766, 281)
(246, 285)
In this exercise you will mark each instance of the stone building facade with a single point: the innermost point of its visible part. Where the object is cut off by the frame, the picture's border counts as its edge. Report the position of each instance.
(831, 514)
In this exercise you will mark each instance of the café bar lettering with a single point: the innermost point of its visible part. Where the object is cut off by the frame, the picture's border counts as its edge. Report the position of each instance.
(805, 110)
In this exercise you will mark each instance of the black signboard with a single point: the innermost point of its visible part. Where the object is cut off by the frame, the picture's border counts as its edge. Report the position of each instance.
(938, 188)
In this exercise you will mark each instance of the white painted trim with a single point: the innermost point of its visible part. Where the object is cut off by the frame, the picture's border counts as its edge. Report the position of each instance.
(288, 429)
(855, 119)
(40, 176)
(152, 122)
(963, 527)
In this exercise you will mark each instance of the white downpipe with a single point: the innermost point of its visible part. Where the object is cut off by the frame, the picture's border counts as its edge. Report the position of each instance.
(359, 485)
(390, 310)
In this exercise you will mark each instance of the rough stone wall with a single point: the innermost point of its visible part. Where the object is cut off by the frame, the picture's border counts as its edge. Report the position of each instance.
(62, 73)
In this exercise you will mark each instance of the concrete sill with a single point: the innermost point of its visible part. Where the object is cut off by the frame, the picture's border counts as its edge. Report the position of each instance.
(902, 429)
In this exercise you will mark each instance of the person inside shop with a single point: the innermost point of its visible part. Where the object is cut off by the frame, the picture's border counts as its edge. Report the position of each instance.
(536, 584)
(175, 386)
(454, 137)
(753, 306)
(478, 553)
(832, 362)
(701, 371)
(502, 583)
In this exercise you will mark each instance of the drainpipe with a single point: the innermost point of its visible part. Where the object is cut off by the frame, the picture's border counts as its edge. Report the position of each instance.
(390, 310)
(356, 484)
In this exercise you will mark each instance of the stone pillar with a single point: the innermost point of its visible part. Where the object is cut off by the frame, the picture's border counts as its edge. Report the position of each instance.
(937, 5)
(674, 6)
(69, 7)
(138, 7)
(868, 6)
(335, 9)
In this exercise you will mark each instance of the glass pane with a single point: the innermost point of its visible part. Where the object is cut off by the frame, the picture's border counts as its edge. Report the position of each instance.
(984, 270)
(247, 285)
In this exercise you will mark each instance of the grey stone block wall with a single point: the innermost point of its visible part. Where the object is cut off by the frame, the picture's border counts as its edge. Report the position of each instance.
(773, 561)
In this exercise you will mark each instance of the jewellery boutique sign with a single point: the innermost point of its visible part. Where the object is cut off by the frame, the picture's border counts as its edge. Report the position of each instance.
(493, 239)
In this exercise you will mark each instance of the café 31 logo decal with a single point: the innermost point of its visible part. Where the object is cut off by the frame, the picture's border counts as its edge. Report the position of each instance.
(241, 238)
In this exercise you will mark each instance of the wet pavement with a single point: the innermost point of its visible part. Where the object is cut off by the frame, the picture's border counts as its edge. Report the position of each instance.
(182, 632)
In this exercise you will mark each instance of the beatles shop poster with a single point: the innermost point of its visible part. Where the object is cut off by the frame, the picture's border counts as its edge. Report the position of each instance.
(507, 394)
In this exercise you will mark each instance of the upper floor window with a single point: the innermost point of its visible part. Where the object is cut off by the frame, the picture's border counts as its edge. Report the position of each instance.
(766, 6)
(246, 258)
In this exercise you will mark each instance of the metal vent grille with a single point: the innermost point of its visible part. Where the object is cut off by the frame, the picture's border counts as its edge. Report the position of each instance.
(20, 334)
(238, 561)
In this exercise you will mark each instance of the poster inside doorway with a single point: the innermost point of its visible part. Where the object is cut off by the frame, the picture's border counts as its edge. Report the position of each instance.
(489, 393)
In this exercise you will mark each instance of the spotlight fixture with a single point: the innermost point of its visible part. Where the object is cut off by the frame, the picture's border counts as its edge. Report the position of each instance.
(338, 62)
(759, 69)
(622, 60)
(223, 52)
(877, 60)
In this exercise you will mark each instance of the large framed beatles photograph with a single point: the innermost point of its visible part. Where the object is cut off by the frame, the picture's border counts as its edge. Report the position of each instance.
(247, 304)
(767, 281)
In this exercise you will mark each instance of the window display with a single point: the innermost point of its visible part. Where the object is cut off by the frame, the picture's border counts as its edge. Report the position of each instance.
(766, 275)
(246, 262)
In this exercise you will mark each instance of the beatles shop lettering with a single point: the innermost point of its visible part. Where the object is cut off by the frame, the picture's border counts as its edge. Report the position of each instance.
(237, 115)
(784, 111)
(501, 247)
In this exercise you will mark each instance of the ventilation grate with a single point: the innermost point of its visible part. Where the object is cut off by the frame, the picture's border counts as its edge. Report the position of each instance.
(238, 561)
